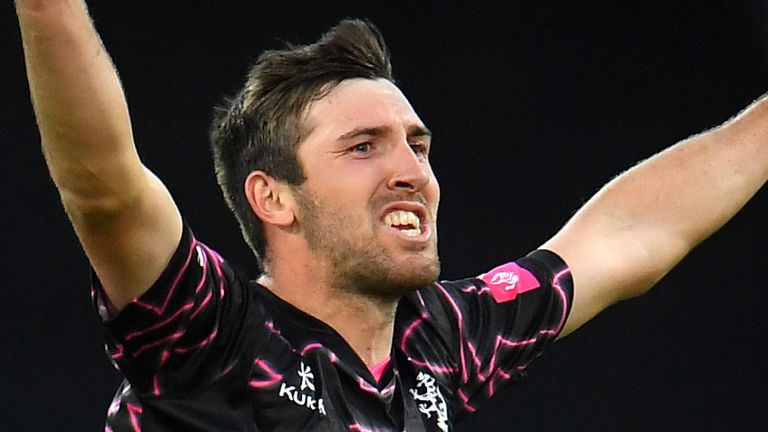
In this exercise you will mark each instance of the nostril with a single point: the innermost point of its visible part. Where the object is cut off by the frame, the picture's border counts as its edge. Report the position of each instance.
(403, 185)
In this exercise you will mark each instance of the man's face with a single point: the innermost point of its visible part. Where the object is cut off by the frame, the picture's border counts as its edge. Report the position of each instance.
(369, 204)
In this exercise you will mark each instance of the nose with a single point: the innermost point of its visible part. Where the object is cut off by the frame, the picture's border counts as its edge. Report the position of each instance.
(411, 172)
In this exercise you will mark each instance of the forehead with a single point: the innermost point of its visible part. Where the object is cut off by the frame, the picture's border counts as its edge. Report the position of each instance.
(356, 103)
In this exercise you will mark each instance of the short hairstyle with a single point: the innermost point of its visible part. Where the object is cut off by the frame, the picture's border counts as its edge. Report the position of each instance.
(261, 127)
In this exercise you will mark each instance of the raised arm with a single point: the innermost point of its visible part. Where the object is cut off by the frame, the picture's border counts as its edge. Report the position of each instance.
(641, 224)
(123, 215)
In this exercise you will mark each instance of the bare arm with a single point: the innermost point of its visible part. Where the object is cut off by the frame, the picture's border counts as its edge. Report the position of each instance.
(123, 215)
(641, 224)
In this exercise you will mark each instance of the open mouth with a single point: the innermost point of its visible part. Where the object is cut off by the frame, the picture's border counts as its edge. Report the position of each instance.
(407, 222)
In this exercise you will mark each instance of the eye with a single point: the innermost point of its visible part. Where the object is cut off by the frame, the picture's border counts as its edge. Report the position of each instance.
(419, 149)
(361, 149)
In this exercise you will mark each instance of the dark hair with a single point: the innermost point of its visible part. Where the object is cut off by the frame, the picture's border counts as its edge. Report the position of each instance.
(260, 128)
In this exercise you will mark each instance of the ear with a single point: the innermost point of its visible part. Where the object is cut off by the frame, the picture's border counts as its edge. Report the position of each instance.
(271, 200)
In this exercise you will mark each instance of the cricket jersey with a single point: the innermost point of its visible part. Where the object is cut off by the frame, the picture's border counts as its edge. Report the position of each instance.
(205, 349)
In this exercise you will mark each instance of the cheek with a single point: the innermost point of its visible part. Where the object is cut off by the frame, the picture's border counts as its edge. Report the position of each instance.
(341, 184)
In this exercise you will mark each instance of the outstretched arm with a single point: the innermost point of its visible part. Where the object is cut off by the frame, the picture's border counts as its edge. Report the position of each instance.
(642, 223)
(123, 215)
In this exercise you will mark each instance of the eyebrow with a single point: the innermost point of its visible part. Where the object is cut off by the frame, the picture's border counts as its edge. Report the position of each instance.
(378, 131)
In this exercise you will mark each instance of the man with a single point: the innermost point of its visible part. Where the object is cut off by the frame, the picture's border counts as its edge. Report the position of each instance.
(360, 128)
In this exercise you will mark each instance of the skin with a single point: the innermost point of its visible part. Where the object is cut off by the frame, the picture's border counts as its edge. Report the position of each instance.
(123, 215)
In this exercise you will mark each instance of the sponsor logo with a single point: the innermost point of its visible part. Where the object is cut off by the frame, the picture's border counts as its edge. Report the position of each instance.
(430, 400)
(508, 278)
(507, 281)
(299, 396)
(307, 377)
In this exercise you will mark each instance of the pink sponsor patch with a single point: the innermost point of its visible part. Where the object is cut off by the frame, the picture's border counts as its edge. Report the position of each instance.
(507, 281)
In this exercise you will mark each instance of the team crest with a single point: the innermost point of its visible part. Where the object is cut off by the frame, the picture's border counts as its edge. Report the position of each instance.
(430, 400)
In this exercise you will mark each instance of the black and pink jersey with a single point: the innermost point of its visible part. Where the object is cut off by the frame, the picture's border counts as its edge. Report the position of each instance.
(206, 350)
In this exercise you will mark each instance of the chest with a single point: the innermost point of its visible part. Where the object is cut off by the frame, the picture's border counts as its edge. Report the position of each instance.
(313, 388)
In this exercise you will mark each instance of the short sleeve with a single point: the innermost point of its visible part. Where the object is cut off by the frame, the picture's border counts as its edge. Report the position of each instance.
(183, 333)
(504, 319)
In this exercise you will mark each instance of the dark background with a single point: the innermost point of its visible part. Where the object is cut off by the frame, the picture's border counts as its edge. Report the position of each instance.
(533, 105)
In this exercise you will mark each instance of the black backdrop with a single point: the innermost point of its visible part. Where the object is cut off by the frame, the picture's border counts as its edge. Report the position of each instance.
(534, 106)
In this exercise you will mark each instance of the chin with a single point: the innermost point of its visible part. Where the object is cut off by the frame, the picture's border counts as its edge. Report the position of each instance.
(395, 281)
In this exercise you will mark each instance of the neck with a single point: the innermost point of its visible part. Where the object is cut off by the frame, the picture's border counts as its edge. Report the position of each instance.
(365, 322)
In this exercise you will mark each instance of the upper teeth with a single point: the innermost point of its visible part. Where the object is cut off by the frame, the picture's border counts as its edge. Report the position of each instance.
(402, 218)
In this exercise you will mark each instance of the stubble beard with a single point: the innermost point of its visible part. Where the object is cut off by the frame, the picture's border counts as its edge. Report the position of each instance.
(359, 264)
